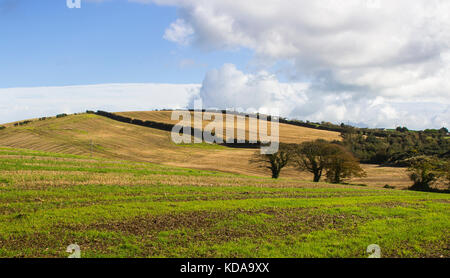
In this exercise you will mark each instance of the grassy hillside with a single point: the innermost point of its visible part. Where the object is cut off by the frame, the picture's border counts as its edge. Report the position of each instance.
(116, 208)
(112, 139)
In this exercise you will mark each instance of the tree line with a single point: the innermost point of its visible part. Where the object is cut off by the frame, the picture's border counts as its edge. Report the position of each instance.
(319, 157)
(395, 148)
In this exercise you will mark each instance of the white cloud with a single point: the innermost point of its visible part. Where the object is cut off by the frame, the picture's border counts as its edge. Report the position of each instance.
(228, 87)
(356, 50)
(179, 32)
(48, 101)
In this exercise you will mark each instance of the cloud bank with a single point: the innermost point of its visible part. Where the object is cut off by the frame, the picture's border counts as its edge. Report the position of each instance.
(228, 87)
(25, 103)
(378, 61)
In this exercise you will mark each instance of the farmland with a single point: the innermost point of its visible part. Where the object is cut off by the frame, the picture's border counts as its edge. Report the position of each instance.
(84, 134)
(117, 208)
(288, 133)
(121, 190)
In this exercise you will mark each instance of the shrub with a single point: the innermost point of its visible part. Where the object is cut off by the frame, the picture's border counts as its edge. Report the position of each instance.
(22, 123)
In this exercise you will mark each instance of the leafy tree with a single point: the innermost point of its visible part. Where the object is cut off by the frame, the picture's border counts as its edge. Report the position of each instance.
(312, 157)
(274, 162)
(341, 165)
(424, 172)
(447, 173)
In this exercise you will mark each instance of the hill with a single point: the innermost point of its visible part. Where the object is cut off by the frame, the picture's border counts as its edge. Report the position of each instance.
(288, 133)
(82, 134)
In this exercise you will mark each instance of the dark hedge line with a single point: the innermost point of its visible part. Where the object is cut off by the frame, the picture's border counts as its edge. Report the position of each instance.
(22, 123)
(328, 126)
(168, 127)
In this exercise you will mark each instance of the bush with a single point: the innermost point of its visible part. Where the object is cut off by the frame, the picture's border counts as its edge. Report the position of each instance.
(61, 115)
(2, 127)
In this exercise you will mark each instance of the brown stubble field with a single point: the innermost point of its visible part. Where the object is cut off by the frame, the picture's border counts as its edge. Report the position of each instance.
(116, 140)
(287, 133)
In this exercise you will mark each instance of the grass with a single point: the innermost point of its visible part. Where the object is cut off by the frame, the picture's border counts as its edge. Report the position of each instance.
(117, 208)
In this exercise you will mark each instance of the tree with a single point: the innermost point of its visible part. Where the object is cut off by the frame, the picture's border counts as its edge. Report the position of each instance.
(274, 162)
(312, 157)
(320, 156)
(447, 173)
(340, 165)
(424, 172)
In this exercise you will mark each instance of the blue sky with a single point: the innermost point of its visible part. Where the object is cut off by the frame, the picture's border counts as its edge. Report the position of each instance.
(46, 44)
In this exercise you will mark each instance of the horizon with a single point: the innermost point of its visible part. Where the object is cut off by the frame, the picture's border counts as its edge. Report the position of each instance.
(350, 124)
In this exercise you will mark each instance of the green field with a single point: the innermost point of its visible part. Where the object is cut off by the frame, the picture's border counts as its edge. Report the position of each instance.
(116, 208)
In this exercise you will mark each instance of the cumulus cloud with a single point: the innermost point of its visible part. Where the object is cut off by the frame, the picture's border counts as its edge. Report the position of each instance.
(229, 87)
(179, 32)
(353, 52)
(47, 101)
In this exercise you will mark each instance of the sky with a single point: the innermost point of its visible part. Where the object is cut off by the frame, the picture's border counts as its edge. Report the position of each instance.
(375, 63)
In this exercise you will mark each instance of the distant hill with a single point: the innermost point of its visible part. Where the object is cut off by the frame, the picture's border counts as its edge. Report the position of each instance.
(81, 133)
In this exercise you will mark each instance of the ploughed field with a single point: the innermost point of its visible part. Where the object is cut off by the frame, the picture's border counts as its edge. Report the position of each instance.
(113, 207)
